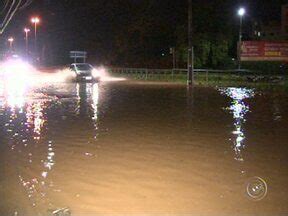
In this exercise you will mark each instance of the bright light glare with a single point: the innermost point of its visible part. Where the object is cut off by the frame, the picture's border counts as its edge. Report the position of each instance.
(46, 76)
(66, 74)
(16, 69)
(26, 30)
(35, 20)
(104, 75)
(16, 77)
(241, 12)
(95, 73)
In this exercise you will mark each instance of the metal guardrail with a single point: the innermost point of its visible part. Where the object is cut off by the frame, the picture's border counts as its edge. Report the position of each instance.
(145, 73)
(171, 71)
(202, 75)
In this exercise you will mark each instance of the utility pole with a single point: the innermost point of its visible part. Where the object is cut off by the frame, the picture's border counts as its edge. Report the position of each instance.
(240, 43)
(190, 48)
(11, 40)
(35, 21)
(173, 52)
(26, 30)
(241, 13)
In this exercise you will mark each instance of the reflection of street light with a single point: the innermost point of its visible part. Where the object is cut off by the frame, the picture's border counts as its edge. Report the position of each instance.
(35, 21)
(241, 13)
(11, 40)
(26, 30)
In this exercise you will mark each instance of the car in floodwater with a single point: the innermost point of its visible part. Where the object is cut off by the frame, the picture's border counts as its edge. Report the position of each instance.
(84, 72)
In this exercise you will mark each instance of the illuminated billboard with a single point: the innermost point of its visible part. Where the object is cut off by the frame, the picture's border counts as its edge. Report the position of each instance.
(264, 51)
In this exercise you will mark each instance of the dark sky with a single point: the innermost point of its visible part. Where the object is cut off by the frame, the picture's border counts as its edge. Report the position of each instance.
(92, 25)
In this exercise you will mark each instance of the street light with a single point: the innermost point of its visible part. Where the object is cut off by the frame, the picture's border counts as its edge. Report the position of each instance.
(10, 40)
(35, 21)
(26, 30)
(241, 13)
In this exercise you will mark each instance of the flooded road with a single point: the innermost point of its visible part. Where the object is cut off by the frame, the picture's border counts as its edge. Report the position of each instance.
(130, 148)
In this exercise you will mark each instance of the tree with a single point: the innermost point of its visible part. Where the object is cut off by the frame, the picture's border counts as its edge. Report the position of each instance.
(8, 9)
(213, 35)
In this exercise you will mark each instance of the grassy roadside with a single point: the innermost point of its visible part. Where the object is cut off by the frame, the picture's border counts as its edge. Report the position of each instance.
(203, 79)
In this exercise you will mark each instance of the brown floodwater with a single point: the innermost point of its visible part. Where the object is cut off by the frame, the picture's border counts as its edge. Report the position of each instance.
(136, 148)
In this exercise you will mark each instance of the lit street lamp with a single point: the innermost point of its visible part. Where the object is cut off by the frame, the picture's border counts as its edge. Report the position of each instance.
(241, 13)
(35, 21)
(11, 40)
(26, 30)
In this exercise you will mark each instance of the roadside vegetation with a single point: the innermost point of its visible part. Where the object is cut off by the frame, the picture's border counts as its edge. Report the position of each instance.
(212, 79)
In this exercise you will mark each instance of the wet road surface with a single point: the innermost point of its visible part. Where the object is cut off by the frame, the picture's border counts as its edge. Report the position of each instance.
(128, 148)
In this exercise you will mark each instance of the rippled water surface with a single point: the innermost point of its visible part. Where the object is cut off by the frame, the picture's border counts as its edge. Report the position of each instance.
(129, 148)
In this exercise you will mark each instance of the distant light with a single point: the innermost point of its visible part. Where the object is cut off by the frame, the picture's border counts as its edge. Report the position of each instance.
(16, 74)
(163, 54)
(11, 39)
(35, 20)
(26, 30)
(241, 12)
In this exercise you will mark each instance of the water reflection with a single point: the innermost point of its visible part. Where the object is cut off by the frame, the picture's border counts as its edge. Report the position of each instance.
(25, 118)
(277, 114)
(38, 186)
(32, 149)
(239, 110)
(95, 99)
(88, 98)
(153, 154)
(87, 103)
(35, 117)
(13, 96)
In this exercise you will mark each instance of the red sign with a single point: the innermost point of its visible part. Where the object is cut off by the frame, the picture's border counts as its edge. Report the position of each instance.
(264, 51)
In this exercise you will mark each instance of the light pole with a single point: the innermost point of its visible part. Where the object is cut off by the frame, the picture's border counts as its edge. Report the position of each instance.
(190, 48)
(241, 13)
(11, 40)
(35, 21)
(26, 30)
(173, 52)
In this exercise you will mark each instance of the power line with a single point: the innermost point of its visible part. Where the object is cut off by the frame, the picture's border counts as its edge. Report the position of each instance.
(10, 7)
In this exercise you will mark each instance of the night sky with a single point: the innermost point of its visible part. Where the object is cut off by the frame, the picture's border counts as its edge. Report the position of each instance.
(108, 28)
